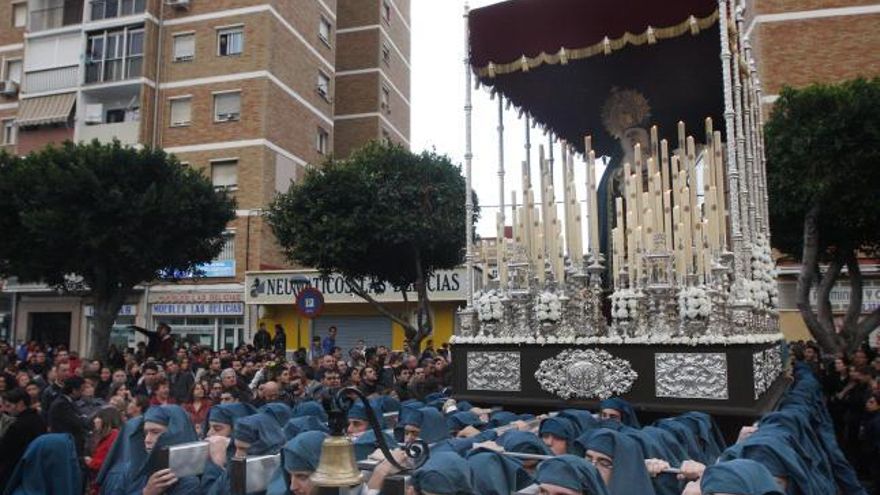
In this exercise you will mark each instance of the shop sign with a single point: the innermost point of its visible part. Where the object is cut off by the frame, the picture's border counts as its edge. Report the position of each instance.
(214, 269)
(841, 293)
(125, 310)
(198, 309)
(194, 297)
(284, 287)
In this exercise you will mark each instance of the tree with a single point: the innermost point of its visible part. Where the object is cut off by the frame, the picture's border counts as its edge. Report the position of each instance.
(823, 165)
(385, 215)
(110, 216)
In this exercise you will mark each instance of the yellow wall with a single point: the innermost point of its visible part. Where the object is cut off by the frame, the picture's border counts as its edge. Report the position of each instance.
(444, 321)
(793, 326)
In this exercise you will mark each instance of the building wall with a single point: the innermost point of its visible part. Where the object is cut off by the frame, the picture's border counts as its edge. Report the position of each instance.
(33, 140)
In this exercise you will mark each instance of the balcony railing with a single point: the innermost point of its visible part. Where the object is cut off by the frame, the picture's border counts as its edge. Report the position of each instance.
(125, 132)
(109, 9)
(114, 69)
(51, 79)
(55, 17)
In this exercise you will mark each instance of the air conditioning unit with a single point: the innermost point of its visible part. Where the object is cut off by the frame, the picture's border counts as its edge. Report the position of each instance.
(94, 113)
(8, 88)
(227, 117)
(180, 4)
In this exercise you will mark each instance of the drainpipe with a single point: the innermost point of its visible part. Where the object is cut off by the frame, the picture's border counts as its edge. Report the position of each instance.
(156, 108)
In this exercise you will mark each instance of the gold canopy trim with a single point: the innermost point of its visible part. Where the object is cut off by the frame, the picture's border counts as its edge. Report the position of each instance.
(651, 35)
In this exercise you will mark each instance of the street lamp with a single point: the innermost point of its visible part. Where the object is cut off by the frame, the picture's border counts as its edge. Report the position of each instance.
(337, 470)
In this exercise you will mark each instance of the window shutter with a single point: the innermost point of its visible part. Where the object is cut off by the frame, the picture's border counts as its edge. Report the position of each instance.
(181, 111)
(224, 174)
(184, 47)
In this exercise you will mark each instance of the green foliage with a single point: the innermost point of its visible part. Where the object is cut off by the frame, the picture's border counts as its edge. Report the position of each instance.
(377, 215)
(823, 147)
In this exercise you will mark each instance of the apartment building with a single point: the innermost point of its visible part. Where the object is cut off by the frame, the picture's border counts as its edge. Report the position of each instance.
(249, 91)
(797, 44)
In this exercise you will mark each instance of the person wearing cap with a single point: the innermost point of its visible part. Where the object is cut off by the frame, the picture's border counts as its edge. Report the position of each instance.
(569, 475)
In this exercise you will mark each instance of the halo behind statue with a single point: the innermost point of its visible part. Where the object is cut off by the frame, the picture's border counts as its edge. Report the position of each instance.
(625, 109)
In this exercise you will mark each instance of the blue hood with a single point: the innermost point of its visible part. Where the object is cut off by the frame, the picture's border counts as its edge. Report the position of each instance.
(571, 472)
(49, 465)
(261, 431)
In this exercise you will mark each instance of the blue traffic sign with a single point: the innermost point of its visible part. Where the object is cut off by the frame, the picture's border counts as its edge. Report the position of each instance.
(310, 303)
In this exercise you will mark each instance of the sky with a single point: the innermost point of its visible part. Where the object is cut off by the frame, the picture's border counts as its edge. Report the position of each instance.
(438, 95)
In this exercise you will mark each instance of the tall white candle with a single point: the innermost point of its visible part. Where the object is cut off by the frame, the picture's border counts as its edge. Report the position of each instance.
(593, 203)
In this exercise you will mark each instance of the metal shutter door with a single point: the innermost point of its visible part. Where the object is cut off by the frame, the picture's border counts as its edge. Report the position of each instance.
(374, 330)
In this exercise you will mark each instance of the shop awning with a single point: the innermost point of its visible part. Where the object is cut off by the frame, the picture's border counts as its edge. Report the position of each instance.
(53, 109)
(561, 60)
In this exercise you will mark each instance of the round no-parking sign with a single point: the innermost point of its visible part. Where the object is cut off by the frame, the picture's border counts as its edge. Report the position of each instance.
(310, 303)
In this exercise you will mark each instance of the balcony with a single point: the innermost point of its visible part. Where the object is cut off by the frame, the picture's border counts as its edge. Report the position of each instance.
(51, 79)
(111, 9)
(114, 70)
(128, 133)
(55, 14)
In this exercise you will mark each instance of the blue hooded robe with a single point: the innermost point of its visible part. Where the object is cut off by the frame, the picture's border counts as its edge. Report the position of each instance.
(265, 437)
(430, 422)
(627, 413)
(310, 408)
(629, 475)
(302, 454)
(179, 430)
(496, 474)
(126, 453)
(571, 472)
(306, 423)
(445, 473)
(278, 410)
(48, 466)
(739, 477)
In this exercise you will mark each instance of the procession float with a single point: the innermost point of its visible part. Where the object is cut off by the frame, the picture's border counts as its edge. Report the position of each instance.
(658, 286)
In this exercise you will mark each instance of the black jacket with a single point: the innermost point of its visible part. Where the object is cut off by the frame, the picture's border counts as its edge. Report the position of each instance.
(262, 340)
(65, 418)
(180, 385)
(27, 426)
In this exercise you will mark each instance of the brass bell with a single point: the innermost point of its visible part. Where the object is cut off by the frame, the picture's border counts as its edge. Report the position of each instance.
(337, 467)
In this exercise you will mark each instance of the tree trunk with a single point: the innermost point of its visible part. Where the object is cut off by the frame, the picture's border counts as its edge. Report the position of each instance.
(426, 314)
(829, 341)
(106, 310)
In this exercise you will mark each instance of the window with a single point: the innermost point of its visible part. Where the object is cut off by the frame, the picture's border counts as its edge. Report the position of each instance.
(184, 47)
(108, 9)
(230, 41)
(228, 251)
(324, 29)
(386, 53)
(181, 111)
(115, 55)
(323, 141)
(13, 71)
(324, 85)
(9, 131)
(386, 11)
(224, 174)
(386, 99)
(19, 15)
(227, 106)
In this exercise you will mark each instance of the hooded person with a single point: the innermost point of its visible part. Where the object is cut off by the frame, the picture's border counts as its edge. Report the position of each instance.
(569, 475)
(278, 410)
(359, 421)
(738, 477)
(524, 442)
(445, 473)
(707, 432)
(502, 418)
(559, 434)
(583, 420)
(299, 459)
(126, 453)
(655, 443)
(48, 466)
(426, 424)
(366, 444)
(619, 460)
(164, 426)
(306, 423)
(310, 408)
(771, 450)
(257, 434)
(619, 410)
(685, 437)
(385, 404)
(496, 474)
(221, 418)
(804, 440)
(458, 421)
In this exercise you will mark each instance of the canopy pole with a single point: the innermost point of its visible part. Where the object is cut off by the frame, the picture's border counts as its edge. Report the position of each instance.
(468, 157)
(501, 160)
(730, 137)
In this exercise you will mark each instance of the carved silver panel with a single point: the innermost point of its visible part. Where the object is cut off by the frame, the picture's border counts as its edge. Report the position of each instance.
(585, 374)
(691, 375)
(493, 371)
(767, 366)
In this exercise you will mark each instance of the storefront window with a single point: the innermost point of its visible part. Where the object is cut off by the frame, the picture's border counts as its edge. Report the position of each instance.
(121, 335)
(213, 332)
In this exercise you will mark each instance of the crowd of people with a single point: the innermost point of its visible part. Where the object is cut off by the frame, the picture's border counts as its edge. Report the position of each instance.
(71, 425)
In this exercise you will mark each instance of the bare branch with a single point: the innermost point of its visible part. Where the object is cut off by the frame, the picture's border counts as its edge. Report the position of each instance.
(359, 291)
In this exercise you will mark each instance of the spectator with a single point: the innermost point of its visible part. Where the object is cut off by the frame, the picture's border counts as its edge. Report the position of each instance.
(160, 344)
(198, 406)
(262, 339)
(161, 393)
(64, 417)
(106, 425)
(279, 343)
(329, 341)
(58, 375)
(180, 381)
(27, 426)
